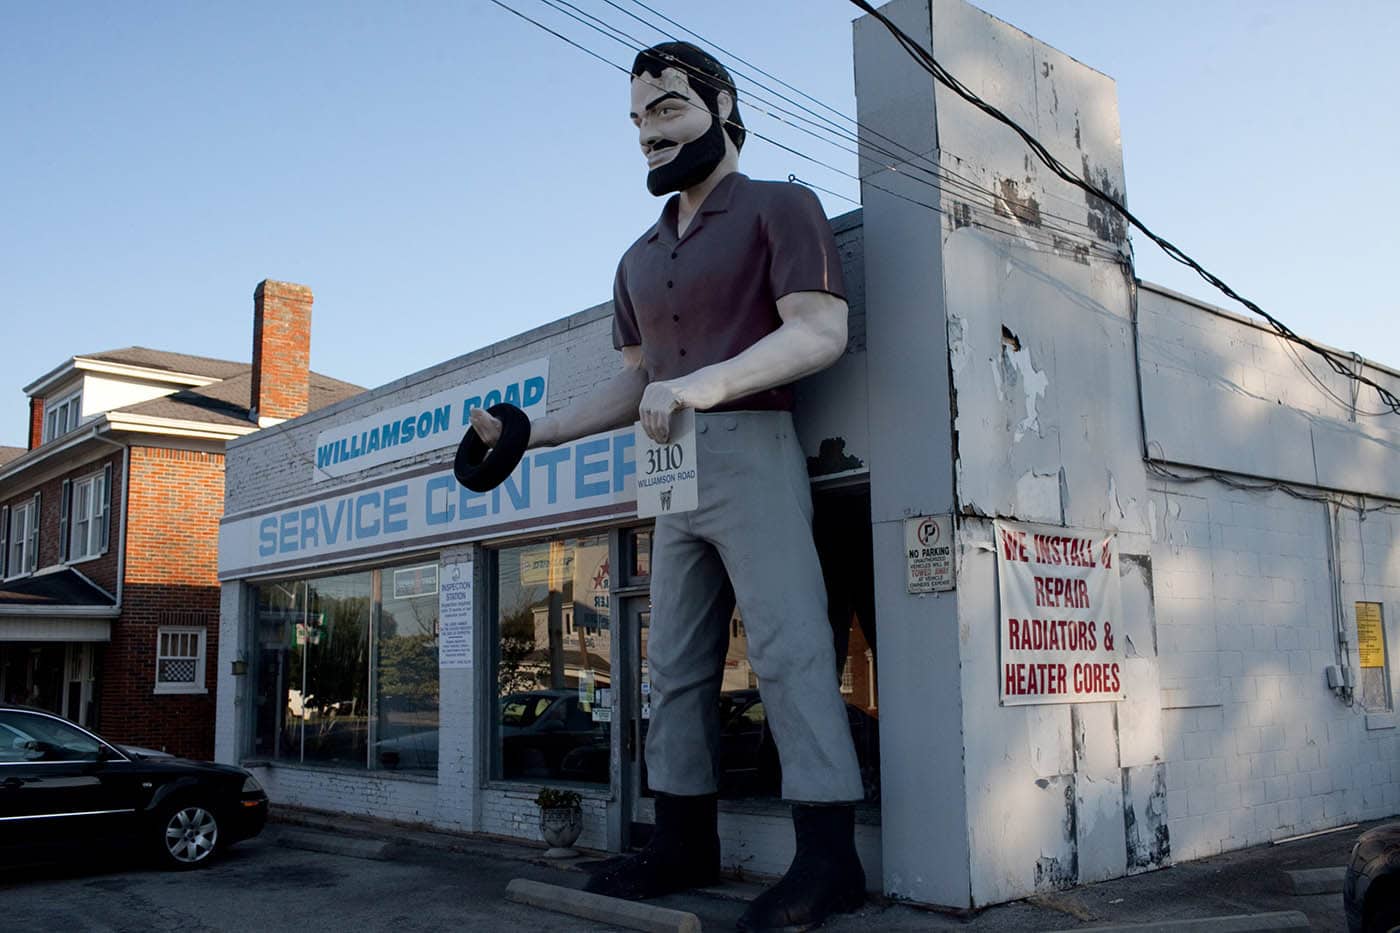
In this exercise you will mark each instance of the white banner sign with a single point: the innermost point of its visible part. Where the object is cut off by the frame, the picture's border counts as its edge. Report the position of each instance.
(455, 615)
(426, 424)
(666, 480)
(593, 475)
(1061, 604)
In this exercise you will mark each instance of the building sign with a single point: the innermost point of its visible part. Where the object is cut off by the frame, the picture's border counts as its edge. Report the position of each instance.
(1061, 603)
(1370, 638)
(455, 616)
(928, 544)
(426, 424)
(593, 473)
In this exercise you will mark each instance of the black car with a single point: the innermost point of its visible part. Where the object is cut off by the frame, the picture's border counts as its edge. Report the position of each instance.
(63, 789)
(1371, 893)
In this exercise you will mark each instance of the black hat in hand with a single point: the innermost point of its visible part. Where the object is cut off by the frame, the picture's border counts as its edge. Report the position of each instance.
(481, 468)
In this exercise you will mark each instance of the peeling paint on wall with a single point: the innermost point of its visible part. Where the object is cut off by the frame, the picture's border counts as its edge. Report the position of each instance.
(1015, 371)
(1145, 817)
(832, 458)
(1106, 222)
(1012, 203)
(1058, 872)
(1039, 497)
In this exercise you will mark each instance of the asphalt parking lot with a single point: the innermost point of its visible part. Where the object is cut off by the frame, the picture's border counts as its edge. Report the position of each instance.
(423, 880)
(260, 885)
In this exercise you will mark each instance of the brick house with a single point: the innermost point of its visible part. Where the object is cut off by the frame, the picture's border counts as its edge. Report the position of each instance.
(109, 521)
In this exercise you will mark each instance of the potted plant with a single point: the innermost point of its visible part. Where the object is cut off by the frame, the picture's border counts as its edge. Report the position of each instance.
(561, 820)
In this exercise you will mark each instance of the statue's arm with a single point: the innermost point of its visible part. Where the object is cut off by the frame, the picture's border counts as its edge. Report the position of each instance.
(810, 338)
(611, 405)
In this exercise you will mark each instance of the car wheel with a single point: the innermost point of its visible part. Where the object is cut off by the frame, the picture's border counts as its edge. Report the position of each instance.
(187, 835)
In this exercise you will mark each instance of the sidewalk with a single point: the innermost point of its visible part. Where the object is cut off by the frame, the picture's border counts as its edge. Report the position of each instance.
(1249, 881)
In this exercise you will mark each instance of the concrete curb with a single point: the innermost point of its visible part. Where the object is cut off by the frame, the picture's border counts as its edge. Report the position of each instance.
(1285, 921)
(1316, 880)
(332, 844)
(630, 914)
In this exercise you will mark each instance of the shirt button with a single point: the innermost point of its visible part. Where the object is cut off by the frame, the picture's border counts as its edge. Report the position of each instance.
(670, 284)
(674, 255)
(675, 317)
(682, 352)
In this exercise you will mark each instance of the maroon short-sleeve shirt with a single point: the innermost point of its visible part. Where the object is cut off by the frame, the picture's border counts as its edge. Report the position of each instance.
(709, 295)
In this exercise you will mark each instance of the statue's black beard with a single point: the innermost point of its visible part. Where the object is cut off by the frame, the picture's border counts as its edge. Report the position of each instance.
(692, 164)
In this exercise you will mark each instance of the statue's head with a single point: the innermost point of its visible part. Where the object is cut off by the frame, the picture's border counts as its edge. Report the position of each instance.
(686, 112)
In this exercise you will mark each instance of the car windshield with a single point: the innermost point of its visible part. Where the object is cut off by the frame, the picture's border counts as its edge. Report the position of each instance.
(522, 709)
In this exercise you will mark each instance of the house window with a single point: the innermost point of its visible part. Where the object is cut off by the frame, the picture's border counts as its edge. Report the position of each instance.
(21, 539)
(89, 502)
(62, 416)
(180, 660)
(848, 680)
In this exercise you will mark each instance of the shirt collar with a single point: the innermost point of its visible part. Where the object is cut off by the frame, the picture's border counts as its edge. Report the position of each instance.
(716, 202)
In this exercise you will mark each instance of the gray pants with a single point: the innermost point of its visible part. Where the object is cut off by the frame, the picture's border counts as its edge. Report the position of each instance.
(751, 538)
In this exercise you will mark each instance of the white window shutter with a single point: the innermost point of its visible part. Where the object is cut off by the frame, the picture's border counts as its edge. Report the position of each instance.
(34, 535)
(106, 500)
(65, 505)
(4, 539)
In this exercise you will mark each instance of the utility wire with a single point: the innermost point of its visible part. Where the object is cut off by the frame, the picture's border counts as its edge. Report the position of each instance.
(998, 204)
(925, 60)
(1069, 243)
(909, 156)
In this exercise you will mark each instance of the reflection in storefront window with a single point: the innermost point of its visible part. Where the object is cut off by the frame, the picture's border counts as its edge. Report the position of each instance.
(319, 698)
(553, 669)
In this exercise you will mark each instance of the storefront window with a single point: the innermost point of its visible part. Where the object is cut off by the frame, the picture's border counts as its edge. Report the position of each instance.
(347, 670)
(553, 670)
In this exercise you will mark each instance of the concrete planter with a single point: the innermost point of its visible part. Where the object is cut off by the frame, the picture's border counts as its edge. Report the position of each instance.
(560, 827)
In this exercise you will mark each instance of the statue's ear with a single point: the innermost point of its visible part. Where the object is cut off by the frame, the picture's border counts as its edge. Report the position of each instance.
(724, 104)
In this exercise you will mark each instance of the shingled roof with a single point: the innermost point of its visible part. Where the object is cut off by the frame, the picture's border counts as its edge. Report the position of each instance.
(10, 453)
(226, 401)
(170, 362)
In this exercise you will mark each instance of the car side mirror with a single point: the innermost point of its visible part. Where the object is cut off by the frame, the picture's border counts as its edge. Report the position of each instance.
(106, 754)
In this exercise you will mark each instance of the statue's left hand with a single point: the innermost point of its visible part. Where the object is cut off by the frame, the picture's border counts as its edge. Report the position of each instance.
(658, 402)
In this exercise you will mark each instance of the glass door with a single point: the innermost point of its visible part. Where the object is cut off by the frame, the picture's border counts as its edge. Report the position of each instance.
(634, 600)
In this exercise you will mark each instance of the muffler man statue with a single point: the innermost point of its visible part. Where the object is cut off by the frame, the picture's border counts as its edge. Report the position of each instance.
(733, 294)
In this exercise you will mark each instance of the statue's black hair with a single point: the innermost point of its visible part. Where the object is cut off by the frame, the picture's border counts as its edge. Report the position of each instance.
(707, 76)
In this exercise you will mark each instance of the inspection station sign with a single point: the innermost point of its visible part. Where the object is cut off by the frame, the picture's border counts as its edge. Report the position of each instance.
(426, 424)
(1061, 607)
(455, 616)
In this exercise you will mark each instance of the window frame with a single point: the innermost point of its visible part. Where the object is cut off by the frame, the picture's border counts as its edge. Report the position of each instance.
(195, 686)
(97, 504)
(71, 406)
(21, 544)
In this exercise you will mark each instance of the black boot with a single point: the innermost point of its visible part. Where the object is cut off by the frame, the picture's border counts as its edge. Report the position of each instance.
(824, 878)
(683, 853)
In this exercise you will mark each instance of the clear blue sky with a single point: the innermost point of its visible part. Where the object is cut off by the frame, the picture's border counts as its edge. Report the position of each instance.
(443, 175)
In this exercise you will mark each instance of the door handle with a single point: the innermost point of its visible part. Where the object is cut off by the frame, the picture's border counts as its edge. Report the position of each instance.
(11, 783)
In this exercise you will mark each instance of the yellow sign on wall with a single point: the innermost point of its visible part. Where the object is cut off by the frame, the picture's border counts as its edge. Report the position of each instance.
(1370, 635)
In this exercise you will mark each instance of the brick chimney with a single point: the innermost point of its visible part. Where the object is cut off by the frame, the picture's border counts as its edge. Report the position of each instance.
(36, 422)
(281, 351)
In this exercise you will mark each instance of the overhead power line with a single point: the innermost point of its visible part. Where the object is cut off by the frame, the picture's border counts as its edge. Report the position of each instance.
(994, 215)
(928, 63)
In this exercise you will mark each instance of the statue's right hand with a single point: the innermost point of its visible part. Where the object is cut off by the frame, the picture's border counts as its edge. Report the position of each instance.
(487, 426)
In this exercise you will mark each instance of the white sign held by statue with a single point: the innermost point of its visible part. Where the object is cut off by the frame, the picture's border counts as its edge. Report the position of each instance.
(666, 477)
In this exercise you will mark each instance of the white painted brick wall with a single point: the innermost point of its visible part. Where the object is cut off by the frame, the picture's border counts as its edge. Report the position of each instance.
(1244, 614)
